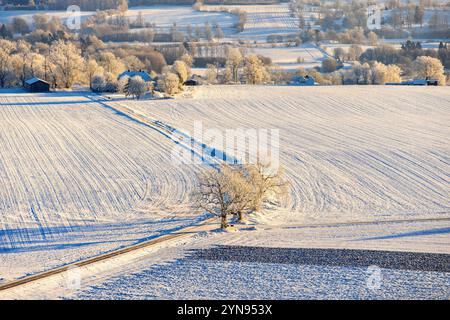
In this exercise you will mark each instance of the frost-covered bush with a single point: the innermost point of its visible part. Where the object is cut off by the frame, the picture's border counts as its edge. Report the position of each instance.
(136, 87)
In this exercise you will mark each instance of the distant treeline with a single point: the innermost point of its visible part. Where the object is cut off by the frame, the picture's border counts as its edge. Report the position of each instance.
(416, 34)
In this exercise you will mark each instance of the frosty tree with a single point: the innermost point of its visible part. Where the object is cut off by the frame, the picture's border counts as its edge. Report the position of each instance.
(135, 87)
(425, 66)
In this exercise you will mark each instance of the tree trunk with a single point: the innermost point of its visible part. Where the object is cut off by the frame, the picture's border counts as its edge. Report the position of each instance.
(240, 216)
(223, 221)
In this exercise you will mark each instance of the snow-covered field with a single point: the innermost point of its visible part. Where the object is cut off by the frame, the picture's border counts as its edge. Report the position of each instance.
(263, 20)
(164, 16)
(79, 179)
(443, 14)
(349, 151)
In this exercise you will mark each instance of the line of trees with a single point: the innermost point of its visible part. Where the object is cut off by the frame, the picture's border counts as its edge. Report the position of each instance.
(378, 73)
(64, 63)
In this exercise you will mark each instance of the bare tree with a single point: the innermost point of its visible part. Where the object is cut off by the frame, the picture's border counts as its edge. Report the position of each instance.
(181, 70)
(92, 69)
(268, 183)
(211, 73)
(220, 192)
(234, 62)
(255, 71)
(23, 54)
(170, 83)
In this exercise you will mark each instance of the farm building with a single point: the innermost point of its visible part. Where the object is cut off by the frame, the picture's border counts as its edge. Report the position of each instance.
(37, 85)
(130, 74)
(303, 81)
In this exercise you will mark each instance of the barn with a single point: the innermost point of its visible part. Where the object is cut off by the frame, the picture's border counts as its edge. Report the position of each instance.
(37, 85)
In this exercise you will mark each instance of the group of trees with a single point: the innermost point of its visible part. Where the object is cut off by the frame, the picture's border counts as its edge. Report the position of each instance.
(371, 73)
(240, 68)
(174, 77)
(378, 73)
(355, 35)
(405, 56)
(399, 18)
(63, 63)
(406, 16)
(59, 63)
(409, 14)
(111, 25)
(351, 54)
(383, 64)
(328, 15)
(238, 190)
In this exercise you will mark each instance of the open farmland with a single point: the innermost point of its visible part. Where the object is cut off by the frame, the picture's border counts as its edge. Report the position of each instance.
(292, 58)
(79, 179)
(164, 16)
(263, 20)
(354, 152)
